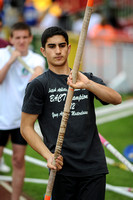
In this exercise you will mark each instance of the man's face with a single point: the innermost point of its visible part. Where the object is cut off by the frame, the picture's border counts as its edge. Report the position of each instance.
(56, 51)
(21, 40)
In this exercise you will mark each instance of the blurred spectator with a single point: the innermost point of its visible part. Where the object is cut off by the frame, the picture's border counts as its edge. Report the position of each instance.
(41, 5)
(50, 16)
(96, 18)
(3, 42)
(77, 24)
(121, 31)
(103, 31)
(13, 12)
(64, 21)
(13, 80)
(109, 29)
(30, 13)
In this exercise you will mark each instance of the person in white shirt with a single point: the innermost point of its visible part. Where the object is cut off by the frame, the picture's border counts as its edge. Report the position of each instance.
(13, 80)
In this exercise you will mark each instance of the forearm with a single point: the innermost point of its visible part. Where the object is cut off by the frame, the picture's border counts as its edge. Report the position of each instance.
(104, 93)
(4, 70)
(35, 141)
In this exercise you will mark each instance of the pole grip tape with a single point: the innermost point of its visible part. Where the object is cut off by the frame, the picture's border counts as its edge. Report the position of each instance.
(90, 3)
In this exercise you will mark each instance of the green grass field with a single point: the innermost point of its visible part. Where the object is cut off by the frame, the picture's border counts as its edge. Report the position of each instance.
(119, 133)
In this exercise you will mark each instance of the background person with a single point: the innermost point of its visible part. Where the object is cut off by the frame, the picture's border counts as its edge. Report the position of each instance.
(83, 175)
(3, 41)
(13, 80)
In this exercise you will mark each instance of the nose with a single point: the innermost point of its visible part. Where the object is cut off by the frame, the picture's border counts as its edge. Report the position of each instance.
(21, 40)
(58, 49)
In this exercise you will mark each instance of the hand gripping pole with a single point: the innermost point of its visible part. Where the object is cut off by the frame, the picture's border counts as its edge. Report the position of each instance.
(22, 62)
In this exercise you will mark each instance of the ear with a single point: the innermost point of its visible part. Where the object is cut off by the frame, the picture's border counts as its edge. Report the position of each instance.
(43, 51)
(69, 48)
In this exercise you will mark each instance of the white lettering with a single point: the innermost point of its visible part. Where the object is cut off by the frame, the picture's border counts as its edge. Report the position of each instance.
(58, 97)
(73, 113)
(80, 97)
(62, 90)
(52, 90)
(54, 115)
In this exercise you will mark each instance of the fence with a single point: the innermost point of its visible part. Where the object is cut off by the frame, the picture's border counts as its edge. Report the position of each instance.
(113, 62)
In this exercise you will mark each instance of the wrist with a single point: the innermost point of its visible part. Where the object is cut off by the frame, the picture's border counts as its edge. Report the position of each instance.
(10, 62)
(48, 156)
(88, 84)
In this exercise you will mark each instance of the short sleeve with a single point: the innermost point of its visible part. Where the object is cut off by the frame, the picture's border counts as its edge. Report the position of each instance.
(99, 81)
(34, 98)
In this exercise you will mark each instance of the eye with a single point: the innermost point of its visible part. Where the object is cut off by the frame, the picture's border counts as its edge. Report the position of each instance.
(51, 46)
(62, 45)
(25, 37)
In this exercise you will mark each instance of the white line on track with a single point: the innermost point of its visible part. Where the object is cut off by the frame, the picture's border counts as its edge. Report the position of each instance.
(119, 190)
(29, 180)
(110, 112)
(9, 188)
(114, 117)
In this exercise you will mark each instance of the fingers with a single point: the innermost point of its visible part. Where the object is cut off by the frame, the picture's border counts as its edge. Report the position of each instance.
(58, 163)
(70, 80)
(15, 54)
(73, 85)
(81, 82)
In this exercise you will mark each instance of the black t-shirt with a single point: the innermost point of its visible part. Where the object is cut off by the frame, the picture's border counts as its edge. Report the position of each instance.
(82, 150)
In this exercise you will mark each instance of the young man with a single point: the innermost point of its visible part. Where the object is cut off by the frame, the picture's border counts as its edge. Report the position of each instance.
(84, 170)
(3, 43)
(13, 80)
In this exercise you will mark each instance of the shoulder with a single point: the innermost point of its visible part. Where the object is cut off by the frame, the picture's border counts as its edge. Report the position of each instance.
(4, 50)
(37, 88)
(40, 81)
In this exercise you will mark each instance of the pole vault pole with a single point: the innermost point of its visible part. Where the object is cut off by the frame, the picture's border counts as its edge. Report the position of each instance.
(77, 61)
(116, 153)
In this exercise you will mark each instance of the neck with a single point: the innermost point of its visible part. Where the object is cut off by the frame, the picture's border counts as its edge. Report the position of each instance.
(24, 53)
(60, 70)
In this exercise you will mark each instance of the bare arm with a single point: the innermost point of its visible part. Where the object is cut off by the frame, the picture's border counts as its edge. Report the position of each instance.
(34, 140)
(104, 93)
(4, 70)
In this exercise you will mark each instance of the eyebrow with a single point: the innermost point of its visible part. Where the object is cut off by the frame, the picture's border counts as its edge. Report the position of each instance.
(56, 44)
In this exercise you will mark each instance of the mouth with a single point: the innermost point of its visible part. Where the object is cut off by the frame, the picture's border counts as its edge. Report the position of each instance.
(58, 57)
